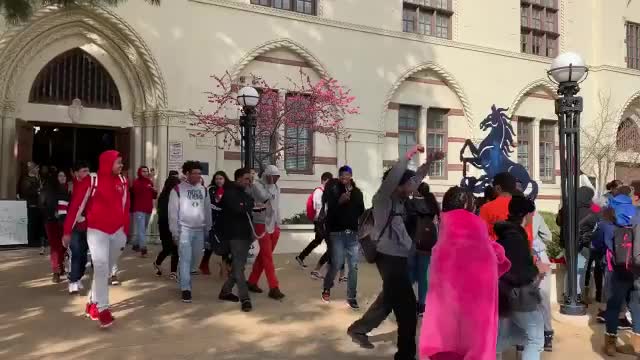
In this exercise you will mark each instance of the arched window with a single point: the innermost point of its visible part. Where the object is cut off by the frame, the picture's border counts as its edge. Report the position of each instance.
(75, 75)
(628, 136)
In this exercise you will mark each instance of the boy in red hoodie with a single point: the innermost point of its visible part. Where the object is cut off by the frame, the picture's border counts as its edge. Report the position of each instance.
(106, 207)
(143, 195)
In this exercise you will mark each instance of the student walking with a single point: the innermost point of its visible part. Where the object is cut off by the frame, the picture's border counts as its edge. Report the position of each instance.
(55, 205)
(106, 202)
(314, 209)
(169, 247)
(542, 235)
(267, 226)
(216, 192)
(344, 206)
(237, 207)
(78, 240)
(144, 193)
(189, 221)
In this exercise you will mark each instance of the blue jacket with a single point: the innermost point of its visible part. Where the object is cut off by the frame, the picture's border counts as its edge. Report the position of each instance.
(623, 206)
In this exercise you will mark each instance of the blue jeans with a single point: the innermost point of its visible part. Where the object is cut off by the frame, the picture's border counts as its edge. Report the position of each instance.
(190, 247)
(623, 284)
(79, 248)
(344, 243)
(522, 328)
(418, 272)
(141, 222)
(582, 270)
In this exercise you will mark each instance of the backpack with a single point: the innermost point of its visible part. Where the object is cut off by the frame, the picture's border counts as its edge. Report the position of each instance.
(368, 243)
(626, 247)
(426, 233)
(311, 210)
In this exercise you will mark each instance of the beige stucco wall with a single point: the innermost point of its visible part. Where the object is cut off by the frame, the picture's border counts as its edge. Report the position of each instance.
(359, 42)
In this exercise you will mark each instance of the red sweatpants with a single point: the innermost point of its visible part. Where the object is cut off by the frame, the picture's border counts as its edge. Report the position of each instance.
(264, 261)
(54, 235)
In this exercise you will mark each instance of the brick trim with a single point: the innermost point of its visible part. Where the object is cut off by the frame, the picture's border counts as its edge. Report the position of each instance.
(274, 60)
(541, 96)
(455, 167)
(456, 140)
(394, 106)
(455, 112)
(296, 191)
(426, 81)
(232, 155)
(325, 160)
(388, 163)
(557, 172)
(391, 134)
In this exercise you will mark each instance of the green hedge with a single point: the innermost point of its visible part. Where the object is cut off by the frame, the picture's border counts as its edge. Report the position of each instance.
(553, 246)
(297, 219)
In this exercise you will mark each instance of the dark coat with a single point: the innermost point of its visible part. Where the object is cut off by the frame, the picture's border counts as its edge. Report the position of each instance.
(341, 217)
(237, 206)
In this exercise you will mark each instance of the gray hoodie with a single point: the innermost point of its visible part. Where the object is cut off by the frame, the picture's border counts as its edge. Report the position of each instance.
(541, 235)
(395, 240)
(190, 208)
(262, 192)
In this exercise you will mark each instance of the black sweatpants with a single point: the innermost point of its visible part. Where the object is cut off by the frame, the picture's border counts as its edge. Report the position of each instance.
(398, 295)
(168, 247)
(317, 240)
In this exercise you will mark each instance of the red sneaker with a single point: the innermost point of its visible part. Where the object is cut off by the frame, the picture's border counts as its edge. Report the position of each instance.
(106, 319)
(91, 311)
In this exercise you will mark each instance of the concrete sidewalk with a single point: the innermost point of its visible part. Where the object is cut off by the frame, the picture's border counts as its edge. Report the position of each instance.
(39, 320)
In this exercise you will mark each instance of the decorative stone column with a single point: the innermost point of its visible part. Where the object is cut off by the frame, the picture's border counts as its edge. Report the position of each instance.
(137, 142)
(7, 158)
(161, 163)
(422, 134)
(535, 149)
(149, 137)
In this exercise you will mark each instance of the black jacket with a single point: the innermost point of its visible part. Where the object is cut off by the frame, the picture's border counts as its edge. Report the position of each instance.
(53, 194)
(420, 216)
(163, 208)
(341, 217)
(30, 190)
(587, 219)
(216, 212)
(518, 290)
(236, 204)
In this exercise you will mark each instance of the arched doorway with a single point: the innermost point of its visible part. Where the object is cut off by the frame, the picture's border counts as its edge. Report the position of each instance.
(627, 167)
(120, 89)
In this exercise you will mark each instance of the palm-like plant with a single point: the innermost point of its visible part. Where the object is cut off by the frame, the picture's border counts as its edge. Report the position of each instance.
(15, 11)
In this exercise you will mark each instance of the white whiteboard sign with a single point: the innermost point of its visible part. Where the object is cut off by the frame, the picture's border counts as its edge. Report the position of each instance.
(176, 155)
(13, 222)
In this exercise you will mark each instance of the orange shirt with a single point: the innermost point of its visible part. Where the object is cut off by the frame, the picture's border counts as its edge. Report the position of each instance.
(498, 210)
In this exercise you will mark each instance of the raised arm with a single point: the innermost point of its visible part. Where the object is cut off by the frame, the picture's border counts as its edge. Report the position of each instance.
(391, 181)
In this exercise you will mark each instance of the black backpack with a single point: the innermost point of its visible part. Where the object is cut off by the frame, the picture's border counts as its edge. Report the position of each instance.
(626, 248)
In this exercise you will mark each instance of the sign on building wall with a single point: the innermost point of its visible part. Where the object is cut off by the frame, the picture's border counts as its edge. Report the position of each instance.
(13, 222)
(176, 155)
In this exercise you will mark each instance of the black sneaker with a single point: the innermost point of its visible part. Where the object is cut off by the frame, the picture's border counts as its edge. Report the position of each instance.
(276, 294)
(300, 262)
(548, 341)
(360, 339)
(601, 317)
(254, 288)
(519, 348)
(228, 297)
(246, 305)
(186, 296)
(114, 281)
(55, 278)
(135, 248)
(624, 324)
(157, 269)
(326, 295)
(353, 304)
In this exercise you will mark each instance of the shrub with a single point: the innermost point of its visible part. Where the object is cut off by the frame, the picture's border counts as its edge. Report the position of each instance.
(553, 247)
(297, 219)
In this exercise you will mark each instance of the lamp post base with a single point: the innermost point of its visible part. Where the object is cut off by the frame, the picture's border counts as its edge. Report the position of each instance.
(573, 309)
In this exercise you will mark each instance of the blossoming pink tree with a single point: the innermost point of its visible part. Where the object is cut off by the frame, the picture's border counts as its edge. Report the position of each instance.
(320, 107)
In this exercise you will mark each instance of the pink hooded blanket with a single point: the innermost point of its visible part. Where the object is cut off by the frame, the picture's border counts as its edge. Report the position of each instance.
(461, 317)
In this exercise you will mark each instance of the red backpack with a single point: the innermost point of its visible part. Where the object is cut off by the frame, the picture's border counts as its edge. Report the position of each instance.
(311, 210)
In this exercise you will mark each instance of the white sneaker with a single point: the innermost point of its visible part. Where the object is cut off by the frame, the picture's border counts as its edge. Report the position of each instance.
(80, 286)
(73, 288)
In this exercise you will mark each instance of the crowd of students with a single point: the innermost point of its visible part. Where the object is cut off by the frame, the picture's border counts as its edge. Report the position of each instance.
(489, 253)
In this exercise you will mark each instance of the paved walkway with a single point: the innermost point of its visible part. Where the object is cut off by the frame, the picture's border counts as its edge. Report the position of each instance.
(39, 320)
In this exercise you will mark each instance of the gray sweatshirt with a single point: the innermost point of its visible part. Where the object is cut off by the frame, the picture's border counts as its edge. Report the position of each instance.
(261, 192)
(395, 240)
(189, 208)
(541, 234)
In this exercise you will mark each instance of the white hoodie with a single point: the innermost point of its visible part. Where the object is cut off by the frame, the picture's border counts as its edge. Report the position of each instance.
(269, 193)
(189, 207)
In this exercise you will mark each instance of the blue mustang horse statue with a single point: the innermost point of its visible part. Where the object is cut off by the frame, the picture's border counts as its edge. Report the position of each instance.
(492, 156)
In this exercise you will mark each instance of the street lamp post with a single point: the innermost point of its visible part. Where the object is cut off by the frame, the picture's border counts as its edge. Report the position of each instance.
(248, 98)
(568, 70)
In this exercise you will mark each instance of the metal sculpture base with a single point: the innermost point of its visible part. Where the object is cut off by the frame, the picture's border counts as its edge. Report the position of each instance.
(573, 309)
